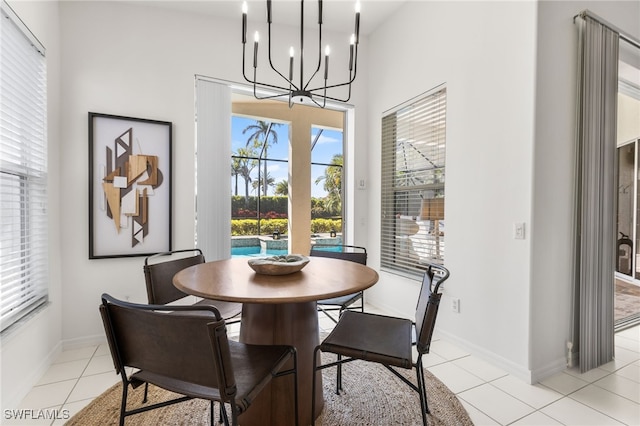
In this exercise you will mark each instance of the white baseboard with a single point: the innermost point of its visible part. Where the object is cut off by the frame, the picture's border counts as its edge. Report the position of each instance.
(81, 342)
(527, 375)
(524, 374)
(34, 375)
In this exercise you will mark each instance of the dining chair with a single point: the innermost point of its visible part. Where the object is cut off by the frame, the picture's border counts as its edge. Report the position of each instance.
(186, 350)
(159, 270)
(387, 340)
(350, 301)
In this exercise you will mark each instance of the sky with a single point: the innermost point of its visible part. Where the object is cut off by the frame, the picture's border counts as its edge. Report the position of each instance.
(329, 144)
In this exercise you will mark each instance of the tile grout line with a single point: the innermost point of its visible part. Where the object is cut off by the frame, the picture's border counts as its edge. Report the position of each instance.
(78, 379)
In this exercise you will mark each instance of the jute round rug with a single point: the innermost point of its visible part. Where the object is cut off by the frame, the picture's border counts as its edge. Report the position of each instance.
(372, 396)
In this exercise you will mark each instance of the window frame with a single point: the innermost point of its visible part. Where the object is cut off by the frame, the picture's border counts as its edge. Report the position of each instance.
(413, 184)
(23, 172)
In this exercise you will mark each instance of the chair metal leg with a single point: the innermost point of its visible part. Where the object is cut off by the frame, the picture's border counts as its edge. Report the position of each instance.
(234, 415)
(295, 384)
(223, 414)
(313, 386)
(146, 392)
(422, 391)
(123, 404)
(339, 376)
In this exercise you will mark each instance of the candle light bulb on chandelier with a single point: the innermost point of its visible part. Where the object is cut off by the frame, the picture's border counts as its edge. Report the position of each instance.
(310, 87)
(244, 22)
(291, 54)
(256, 39)
(352, 43)
(327, 50)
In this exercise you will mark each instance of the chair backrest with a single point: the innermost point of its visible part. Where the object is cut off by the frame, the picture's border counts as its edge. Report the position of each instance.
(427, 308)
(159, 270)
(169, 342)
(222, 362)
(340, 251)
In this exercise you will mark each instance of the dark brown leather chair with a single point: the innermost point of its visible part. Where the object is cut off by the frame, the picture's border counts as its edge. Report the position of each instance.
(388, 340)
(185, 349)
(159, 270)
(350, 301)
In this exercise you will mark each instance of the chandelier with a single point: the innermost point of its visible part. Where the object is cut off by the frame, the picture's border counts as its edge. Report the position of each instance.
(300, 91)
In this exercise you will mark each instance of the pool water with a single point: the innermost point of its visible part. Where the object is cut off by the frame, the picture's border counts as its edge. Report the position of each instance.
(254, 251)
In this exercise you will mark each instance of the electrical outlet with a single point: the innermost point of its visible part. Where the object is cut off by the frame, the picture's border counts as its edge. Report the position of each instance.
(455, 305)
(518, 231)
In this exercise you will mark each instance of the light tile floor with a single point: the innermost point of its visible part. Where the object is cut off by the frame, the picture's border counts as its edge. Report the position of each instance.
(609, 395)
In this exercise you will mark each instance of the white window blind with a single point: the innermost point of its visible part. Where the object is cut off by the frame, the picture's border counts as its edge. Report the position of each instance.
(23, 171)
(413, 184)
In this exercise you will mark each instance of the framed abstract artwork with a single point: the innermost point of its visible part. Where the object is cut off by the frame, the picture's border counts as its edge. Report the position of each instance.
(129, 186)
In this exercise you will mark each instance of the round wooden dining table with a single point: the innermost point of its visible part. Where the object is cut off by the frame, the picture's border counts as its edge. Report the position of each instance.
(279, 310)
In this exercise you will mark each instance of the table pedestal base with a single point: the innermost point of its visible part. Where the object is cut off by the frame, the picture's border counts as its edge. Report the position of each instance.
(293, 324)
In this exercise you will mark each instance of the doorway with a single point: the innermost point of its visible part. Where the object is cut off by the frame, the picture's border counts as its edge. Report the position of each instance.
(627, 280)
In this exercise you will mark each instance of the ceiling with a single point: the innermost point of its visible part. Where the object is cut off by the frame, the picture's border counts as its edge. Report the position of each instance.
(338, 14)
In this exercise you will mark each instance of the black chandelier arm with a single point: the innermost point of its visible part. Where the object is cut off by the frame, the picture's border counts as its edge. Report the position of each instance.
(255, 93)
(318, 104)
(319, 58)
(331, 98)
(255, 82)
(352, 77)
(333, 86)
(273, 67)
(244, 73)
(318, 96)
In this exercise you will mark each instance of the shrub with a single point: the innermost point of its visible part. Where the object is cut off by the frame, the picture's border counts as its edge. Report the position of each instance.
(272, 207)
(320, 226)
(246, 227)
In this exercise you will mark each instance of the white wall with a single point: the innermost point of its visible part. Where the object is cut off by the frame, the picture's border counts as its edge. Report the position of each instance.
(509, 68)
(554, 160)
(484, 53)
(28, 348)
(135, 61)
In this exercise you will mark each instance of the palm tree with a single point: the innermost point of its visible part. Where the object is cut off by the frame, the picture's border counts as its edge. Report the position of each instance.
(333, 184)
(245, 167)
(236, 170)
(269, 181)
(282, 188)
(259, 136)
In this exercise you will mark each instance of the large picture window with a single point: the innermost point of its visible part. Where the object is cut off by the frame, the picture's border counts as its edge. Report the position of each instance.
(413, 184)
(23, 171)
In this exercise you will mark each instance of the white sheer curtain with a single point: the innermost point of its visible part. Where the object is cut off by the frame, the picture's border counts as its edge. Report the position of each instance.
(596, 192)
(213, 169)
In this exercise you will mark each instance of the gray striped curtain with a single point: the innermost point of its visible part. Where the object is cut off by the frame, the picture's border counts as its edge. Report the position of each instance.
(593, 337)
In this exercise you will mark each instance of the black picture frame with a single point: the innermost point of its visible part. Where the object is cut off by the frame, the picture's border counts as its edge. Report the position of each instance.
(130, 186)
